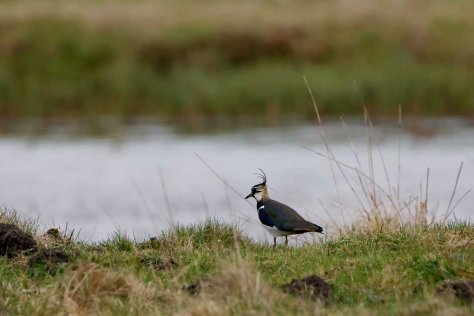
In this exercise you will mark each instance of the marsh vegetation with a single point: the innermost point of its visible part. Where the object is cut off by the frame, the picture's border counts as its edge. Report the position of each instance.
(181, 61)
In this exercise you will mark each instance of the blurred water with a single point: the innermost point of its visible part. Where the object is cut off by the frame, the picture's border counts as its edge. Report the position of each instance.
(152, 178)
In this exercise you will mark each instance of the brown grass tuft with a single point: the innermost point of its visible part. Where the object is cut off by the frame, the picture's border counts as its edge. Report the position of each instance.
(238, 285)
(90, 288)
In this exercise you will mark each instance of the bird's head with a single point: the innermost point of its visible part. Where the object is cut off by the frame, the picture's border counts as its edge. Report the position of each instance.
(259, 191)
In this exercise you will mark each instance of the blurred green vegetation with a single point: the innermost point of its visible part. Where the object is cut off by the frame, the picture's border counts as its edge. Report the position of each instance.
(178, 59)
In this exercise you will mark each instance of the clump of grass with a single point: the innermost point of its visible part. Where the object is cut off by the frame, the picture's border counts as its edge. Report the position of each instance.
(210, 234)
(88, 288)
(235, 287)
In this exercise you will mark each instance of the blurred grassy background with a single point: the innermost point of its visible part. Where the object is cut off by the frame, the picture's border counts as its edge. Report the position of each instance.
(182, 60)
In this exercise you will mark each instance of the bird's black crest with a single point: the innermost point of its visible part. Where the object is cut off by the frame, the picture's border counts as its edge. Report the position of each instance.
(263, 176)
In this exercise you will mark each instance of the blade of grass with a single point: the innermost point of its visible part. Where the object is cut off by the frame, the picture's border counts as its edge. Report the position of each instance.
(454, 191)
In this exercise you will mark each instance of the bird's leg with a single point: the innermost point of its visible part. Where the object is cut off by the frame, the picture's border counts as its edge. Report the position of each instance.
(274, 242)
(286, 240)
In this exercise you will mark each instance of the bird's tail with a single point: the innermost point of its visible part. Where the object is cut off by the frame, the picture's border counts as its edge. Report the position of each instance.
(307, 227)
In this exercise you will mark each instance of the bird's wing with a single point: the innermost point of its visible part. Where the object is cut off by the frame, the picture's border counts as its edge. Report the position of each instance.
(287, 219)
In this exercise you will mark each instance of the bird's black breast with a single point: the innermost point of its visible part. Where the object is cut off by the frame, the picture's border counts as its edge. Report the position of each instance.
(264, 217)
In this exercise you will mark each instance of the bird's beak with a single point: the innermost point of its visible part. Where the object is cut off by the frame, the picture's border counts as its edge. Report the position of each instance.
(250, 195)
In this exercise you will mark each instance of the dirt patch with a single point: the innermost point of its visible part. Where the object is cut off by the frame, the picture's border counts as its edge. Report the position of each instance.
(464, 290)
(312, 287)
(199, 285)
(153, 242)
(53, 232)
(159, 264)
(13, 240)
(51, 257)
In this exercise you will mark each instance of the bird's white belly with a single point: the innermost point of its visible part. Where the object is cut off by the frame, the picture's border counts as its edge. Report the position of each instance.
(275, 232)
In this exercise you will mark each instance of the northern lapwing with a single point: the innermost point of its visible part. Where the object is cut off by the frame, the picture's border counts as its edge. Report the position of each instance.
(277, 218)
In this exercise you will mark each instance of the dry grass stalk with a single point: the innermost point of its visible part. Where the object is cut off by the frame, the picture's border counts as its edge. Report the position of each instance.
(383, 207)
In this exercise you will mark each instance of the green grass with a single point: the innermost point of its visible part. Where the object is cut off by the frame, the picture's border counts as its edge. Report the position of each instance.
(224, 58)
(395, 271)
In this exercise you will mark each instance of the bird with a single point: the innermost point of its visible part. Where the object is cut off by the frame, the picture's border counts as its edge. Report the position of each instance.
(277, 218)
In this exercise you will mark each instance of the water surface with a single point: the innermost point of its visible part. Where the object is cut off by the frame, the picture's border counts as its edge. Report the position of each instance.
(152, 179)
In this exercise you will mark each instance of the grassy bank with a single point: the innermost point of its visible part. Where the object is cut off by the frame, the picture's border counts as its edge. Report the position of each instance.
(180, 60)
(386, 272)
